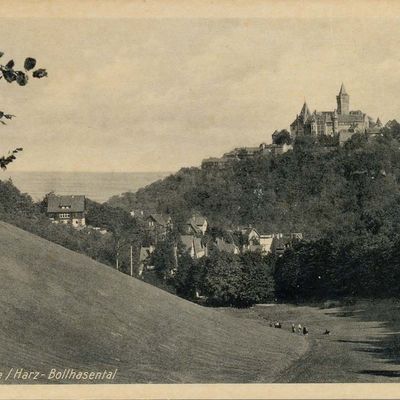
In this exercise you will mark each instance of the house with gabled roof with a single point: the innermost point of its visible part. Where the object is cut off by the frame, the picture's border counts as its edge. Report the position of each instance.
(266, 243)
(159, 224)
(194, 246)
(281, 242)
(196, 225)
(69, 209)
(251, 236)
(223, 245)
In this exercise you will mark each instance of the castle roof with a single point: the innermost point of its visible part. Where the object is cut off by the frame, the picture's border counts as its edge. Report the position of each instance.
(305, 112)
(342, 90)
(349, 118)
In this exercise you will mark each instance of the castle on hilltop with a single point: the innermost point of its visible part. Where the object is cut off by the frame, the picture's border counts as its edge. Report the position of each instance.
(340, 124)
(340, 121)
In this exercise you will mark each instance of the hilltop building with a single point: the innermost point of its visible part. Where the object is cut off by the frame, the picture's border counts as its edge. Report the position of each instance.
(339, 121)
(241, 153)
(67, 210)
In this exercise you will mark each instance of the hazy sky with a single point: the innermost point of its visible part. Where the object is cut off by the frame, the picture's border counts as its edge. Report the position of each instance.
(159, 94)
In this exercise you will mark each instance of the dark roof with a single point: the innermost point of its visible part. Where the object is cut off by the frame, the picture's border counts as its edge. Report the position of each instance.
(58, 204)
(194, 227)
(325, 116)
(189, 240)
(253, 248)
(159, 218)
(349, 118)
(224, 246)
(305, 112)
(280, 243)
(248, 230)
(214, 160)
(197, 220)
(342, 90)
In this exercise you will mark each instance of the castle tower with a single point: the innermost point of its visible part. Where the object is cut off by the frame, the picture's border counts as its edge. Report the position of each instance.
(305, 112)
(343, 102)
(335, 127)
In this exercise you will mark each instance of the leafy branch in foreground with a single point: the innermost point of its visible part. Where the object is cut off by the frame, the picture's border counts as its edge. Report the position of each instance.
(10, 74)
(10, 157)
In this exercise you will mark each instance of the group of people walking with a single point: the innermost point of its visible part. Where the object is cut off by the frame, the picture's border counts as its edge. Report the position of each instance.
(301, 330)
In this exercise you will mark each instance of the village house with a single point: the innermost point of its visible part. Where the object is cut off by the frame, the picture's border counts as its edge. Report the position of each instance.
(281, 242)
(250, 239)
(241, 153)
(67, 209)
(222, 245)
(275, 149)
(215, 163)
(196, 225)
(251, 236)
(159, 225)
(266, 243)
(194, 246)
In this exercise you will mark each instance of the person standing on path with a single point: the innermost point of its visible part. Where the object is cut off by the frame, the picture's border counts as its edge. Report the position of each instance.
(299, 328)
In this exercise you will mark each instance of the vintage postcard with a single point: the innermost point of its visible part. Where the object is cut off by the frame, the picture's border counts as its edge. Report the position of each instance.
(200, 199)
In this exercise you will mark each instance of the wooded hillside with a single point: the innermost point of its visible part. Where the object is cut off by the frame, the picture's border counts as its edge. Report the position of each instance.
(319, 191)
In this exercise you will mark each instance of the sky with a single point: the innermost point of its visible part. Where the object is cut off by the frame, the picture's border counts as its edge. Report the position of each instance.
(151, 94)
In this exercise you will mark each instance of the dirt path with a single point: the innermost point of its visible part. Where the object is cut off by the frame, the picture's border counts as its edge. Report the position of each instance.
(360, 347)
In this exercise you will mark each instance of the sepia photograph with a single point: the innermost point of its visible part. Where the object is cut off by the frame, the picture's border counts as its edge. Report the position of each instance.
(206, 197)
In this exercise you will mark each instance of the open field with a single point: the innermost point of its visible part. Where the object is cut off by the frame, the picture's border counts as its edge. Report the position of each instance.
(60, 309)
(364, 344)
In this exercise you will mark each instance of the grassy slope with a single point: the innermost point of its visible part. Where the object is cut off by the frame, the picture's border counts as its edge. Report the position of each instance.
(60, 309)
(364, 345)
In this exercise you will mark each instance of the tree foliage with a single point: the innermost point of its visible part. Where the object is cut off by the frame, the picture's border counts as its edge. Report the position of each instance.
(281, 137)
(10, 74)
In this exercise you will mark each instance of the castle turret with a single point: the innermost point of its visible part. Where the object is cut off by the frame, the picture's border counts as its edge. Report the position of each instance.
(335, 127)
(343, 101)
(305, 112)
